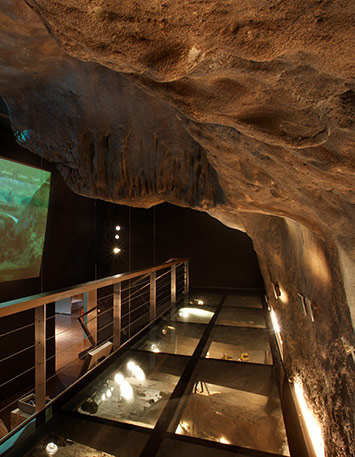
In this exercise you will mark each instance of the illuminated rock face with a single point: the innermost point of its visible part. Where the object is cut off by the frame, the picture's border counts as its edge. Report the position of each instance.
(242, 110)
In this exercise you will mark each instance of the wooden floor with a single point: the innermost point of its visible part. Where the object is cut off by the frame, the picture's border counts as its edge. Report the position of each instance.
(70, 341)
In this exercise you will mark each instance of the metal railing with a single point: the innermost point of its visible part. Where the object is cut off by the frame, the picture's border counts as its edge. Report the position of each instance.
(116, 309)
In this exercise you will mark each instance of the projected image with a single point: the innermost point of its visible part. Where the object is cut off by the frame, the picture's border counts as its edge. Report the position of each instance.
(24, 196)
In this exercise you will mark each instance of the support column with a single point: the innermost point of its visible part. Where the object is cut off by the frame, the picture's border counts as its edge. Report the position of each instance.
(186, 278)
(173, 284)
(116, 316)
(40, 356)
(153, 297)
(92, 316)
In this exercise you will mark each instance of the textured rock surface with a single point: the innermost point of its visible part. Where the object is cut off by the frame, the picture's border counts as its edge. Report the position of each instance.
(244, 110)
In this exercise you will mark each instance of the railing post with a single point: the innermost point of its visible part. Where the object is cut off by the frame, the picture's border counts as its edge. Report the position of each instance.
(40, 356)
(173, 284)
(186, 278)
(153, 297)
(92, 317)
(116, 316)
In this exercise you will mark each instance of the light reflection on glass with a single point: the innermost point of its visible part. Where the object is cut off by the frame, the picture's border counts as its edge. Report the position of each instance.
(136, 370)
(195, 312)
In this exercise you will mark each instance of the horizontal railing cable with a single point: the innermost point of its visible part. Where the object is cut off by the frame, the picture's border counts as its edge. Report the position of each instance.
(102, 313)
(17, 376)
(163, 274)
(106, 296)
(131, 286)
(17, 329)
(105, 326)
(7, 406)
(133, 322)
(16, 353)
(142, 297)
(146, 304)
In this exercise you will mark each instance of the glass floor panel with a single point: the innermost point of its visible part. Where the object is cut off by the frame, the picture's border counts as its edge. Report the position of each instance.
(240, 343)
(194, 315)
(243, 301)
(135, 390)
(172, 338)
(177, 448)
(101, 440)
(242, 317)
(234, 404)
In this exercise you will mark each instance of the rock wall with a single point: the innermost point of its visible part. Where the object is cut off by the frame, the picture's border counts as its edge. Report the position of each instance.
(242, 110)
(300, 262)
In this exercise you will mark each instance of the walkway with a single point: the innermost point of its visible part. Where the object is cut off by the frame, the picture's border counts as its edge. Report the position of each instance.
(199, 382)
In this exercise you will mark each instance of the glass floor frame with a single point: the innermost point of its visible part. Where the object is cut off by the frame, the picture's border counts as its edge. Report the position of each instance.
(162, 397)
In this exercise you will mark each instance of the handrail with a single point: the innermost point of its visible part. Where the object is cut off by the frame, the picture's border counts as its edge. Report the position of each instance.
(154, 307)
(23, 304)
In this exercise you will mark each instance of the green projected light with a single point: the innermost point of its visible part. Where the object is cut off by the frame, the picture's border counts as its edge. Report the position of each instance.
(24, 197)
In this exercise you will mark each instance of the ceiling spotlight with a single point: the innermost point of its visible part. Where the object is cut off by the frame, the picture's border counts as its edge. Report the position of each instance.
(118, 228)
(116, 250)
(117, 237)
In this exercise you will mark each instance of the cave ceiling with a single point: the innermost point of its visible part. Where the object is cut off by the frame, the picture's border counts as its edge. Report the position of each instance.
(234, 109)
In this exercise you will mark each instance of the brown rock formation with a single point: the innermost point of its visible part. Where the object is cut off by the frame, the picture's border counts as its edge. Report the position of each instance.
(242, 109)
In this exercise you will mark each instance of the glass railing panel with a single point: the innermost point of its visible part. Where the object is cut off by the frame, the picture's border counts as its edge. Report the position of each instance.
(239, 344)
(234, 404)
(76, 437)
(135, 390)
(242, 317)
(243, 301)
(172, 338)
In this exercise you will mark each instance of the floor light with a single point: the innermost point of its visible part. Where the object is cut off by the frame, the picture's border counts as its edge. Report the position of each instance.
(313, 427)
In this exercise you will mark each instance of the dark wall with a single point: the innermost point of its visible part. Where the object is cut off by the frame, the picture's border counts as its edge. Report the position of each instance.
(69, 249)
(68, 258)
(219, 256)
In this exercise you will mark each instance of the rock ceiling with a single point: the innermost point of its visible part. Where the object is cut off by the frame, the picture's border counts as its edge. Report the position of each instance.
(242, 109)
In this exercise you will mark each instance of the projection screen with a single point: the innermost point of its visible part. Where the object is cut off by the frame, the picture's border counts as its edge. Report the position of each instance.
(24, 197)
